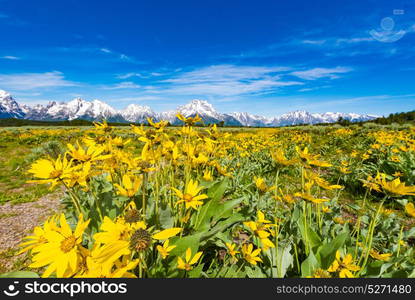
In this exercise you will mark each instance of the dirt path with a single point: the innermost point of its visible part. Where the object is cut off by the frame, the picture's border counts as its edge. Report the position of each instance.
(16, 222)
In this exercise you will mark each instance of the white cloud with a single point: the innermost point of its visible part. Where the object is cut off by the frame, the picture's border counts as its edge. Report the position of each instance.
(355, 40)
(128, 75)
(122, 85)
(317, 73)
(314, 42)
(221, 73)
(133, 74)
(28, 81)
(10, 57)
(124, 57)
(226, 80)
(105, 50)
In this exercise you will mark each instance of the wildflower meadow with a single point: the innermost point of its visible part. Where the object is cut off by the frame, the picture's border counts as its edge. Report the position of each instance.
(216, 202)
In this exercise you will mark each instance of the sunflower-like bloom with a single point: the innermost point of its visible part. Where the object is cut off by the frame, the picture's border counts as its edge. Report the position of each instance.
(119, 269)
(344, 170)
(304, 154)
(321, 182)
(189, 121)
(396, 187)
(38, 238)
(311, 198)
(118, 142)
(410, 209)
(159, 125)
(287, 198)
(280, 158)
(380, 256)
(371, 184)
(311, 159)
(251, 255)
(103, 127)
(51, 171)
(120, 238)
(320, 273)
(188, 261)
(130, 186)
(165, 249)
(62, 251)
(319, 163)
(190, 195)
(262, 185)
(92, 153)
(80, 176)
(260, 228)
(207, 175)
(232, 251)
(344, 266)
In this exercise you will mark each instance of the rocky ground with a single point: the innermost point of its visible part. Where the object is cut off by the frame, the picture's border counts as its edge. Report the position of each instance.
(18, 221)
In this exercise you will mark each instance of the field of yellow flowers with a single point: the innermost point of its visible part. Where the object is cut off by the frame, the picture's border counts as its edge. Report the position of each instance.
(208, 202)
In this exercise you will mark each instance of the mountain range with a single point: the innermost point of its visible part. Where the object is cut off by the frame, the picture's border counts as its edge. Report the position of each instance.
(97, 110)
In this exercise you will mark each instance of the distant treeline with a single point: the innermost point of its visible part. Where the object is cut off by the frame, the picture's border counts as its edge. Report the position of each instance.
(399, 118)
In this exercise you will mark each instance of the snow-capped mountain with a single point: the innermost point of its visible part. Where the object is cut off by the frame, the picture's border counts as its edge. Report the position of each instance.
(247, 119)
(98, 110)
(304, 117)
(205, 110)
(9, 108)
(137, 113)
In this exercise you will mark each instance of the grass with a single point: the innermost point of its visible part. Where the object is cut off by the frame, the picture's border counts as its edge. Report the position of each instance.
(13, 176)
(18, 265)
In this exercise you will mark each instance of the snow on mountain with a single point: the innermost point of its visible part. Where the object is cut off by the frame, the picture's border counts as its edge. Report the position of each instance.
(81, 109)
(98, 110)
(247, 119)
(200, 107)
(137, 113)
(9, 108)
(294, 118)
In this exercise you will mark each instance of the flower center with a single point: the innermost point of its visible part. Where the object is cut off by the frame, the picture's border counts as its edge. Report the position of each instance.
(68, 243)
(55, 173)
(187, 197)
(84, 157)
(140, 240)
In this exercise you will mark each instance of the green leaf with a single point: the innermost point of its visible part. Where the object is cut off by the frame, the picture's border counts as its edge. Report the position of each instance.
(195, 272)
(211, 207)
(327, 253)
(191, 241)
(222, 226)
(20, 274)
(165, 217)
(285, 260)
(254, 272)
(308, 235)
(309, 265)
(225, 210)
(216, 192)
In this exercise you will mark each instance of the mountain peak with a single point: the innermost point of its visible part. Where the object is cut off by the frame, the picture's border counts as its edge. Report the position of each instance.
(197, 106)
(79, 108)
(9, 108)
(4, 94)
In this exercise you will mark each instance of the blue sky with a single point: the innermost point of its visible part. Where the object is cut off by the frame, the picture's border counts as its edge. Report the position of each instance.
(264, 57)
